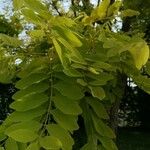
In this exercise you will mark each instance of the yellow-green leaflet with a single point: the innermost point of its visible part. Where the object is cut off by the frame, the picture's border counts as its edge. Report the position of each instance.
(58, 49)
(140, 53)
(101, 10)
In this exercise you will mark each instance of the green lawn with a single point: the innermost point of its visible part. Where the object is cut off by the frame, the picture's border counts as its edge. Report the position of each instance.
(133, 140)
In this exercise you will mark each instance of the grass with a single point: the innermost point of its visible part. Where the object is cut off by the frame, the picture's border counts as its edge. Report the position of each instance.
(133, 140)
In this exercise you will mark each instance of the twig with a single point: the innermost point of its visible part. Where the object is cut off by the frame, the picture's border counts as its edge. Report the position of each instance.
(73, 5)
(55, 7)
(98, 2)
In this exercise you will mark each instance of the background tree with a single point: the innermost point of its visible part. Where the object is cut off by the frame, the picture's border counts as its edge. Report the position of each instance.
(136, 101)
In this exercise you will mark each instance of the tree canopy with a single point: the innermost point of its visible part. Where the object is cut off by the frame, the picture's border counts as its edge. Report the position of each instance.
(73, 64)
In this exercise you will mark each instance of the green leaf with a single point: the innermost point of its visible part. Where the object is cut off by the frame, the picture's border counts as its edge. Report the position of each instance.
(97, 92)
(74, 92)
(31, 79)
(22, 146)
(50, 143)
(72, 72)
(140, 53)
(113, 9)
(101, 77)
(35, 5)
(68, 122)
(129, 13)
(33, 89)
(101, 10)
(102, 65)
(59, 52)
(100, 147)
(108, 144)
(2, 148)
(102, 128)
(37, 65)
(98, 108)
(68, 35)
(66, 105)
(10, 143)
(62, 77)
(93, 70)
(147, 69)
(26, 115)
(33, 146)
(65, 21)
(31, 125)
(78, 66)
(73, 52)
(87, 20)
(7, 70)
(112, 43)
(10, 41)
(37, 34)
(23, 135)
(31, 16)
(63, 135)
(82, 82)
(29, 102)
(97, 82)
(2, 136)
(89, 146)
(18, 4)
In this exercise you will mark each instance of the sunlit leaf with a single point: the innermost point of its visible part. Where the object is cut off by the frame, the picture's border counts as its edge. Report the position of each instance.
(33, 89)
(36, 5)
(59, 52)
(98, 108)
(33, 78)
(66, 105)
(97, 92)
(50, 142)
(129, 13)
(31, 16)
(102, 128)
(31, 125)
(23, 135)
(140, 53)
(68, 122)
(11, 143)
(63, 135)
(29, 102)
(69, 35)
(18, 4)
(74, 91)
(33, 146)
(26, 115)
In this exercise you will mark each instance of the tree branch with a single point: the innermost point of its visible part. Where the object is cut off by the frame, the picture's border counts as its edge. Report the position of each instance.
(98, 2)
(55, 7)
(73, 5)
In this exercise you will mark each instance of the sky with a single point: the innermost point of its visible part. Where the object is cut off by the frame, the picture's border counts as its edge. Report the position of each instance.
(4, 3)
(1, 6)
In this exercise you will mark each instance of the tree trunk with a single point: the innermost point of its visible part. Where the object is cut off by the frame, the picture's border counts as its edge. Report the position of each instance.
(119, 93)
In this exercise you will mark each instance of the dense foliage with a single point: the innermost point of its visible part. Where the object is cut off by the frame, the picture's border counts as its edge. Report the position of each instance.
(71, 66)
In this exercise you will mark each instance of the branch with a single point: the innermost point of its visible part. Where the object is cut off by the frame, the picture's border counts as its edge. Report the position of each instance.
(55, 7)
(73, 5)
(98, 2)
